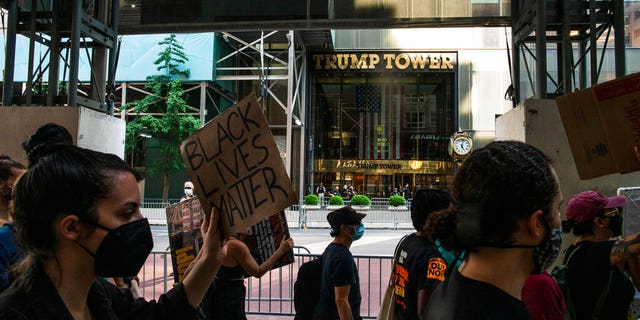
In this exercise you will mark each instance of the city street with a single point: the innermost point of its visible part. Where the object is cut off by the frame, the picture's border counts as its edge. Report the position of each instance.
(373, 271)
(374, 241)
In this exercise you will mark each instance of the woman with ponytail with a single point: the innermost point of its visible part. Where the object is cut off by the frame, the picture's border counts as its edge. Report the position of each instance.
(505, 217)
(77, 217)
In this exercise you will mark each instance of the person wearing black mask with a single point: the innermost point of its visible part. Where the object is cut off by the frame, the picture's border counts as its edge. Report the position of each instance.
(599, 258)
(77, 216)
(505, 217)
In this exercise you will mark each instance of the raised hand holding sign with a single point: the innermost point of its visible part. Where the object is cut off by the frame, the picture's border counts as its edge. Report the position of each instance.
(236, 167)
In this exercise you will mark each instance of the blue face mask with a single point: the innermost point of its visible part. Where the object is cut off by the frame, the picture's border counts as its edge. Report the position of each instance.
(359, 231)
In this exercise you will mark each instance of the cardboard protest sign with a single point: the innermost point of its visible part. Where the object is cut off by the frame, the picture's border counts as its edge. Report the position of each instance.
(602, 124)
(185, 237)
(236, 167)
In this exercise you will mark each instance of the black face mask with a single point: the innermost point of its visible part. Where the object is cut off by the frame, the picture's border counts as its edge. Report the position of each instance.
(123, 250)
(615, 225)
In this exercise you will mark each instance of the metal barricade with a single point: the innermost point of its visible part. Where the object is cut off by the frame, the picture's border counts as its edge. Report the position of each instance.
(632, 225)
(273, 293)
(156, 276)
(155, 211)
(376, 218)
(380, 215)
(631, 209)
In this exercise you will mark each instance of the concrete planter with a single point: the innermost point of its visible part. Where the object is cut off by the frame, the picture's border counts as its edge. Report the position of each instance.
(360, 208)
(334, 207)
(398, 208)
(311, 206)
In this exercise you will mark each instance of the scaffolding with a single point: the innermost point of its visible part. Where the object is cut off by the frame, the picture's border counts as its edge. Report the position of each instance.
(64, 27)
(569, 24)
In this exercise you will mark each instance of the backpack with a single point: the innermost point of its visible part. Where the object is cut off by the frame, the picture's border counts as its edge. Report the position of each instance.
(306, 290)
(559, 275)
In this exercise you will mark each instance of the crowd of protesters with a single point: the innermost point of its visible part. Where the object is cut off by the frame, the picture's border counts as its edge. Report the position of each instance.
(71, 228)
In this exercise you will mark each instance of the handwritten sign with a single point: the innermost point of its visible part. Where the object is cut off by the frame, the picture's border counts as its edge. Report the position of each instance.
(236, 167)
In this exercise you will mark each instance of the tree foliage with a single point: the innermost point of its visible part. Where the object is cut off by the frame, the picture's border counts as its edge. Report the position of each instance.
(170, 128)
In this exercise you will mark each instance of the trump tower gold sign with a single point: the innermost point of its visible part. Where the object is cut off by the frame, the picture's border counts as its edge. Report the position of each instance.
(385, 61)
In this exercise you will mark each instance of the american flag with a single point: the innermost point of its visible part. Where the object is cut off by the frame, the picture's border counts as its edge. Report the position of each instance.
(368, 98)
(380, 127)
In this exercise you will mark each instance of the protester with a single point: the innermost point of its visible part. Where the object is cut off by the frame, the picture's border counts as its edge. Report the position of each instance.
(406, 192)
(419, 265)
(320, 191)
(351, 192)
(77, 218)
(335, 191)
(226, 297)
(599, 258)
(10, 253)
(188, 191)
(48, 134)
(340, 292)
(506, 218)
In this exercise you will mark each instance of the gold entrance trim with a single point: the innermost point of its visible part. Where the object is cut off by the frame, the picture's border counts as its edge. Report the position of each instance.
(384, 166)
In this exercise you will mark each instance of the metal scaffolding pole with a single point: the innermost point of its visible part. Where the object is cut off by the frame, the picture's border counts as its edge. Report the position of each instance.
(290, 90)
(618, 26)
(10, 53)
(76, 25)
(54, 56)
(541, 49)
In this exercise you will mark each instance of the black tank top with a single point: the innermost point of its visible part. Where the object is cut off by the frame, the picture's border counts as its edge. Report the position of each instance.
(230, 273)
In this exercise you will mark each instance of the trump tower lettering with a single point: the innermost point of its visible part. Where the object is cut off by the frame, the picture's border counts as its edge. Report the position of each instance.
(236, 167)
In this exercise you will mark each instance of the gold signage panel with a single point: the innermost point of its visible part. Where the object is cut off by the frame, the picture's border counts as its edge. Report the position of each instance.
(385, 61)
(384, 166)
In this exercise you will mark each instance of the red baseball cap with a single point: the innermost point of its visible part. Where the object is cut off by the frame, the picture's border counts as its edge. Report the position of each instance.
(585, 206)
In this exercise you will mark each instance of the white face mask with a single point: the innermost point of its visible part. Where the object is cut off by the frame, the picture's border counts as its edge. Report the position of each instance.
(188, 191)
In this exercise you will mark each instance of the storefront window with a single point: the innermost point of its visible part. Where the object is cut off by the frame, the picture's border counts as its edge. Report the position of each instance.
(380, 129)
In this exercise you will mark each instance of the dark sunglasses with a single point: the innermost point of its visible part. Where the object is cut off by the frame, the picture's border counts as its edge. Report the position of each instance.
(610, 212)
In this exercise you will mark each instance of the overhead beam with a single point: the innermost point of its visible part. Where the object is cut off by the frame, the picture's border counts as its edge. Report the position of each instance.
(317, 24)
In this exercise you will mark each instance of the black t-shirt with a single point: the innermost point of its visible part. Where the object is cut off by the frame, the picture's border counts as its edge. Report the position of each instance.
(338, 269)
(407, 193)
(460, 298)
(419, 265)
(588, 273)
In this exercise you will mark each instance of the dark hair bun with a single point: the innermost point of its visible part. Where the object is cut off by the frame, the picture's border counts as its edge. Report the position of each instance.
(42, 151)
(50, 133)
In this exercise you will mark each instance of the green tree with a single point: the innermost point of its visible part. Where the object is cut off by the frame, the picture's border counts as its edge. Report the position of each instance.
(170, 128)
